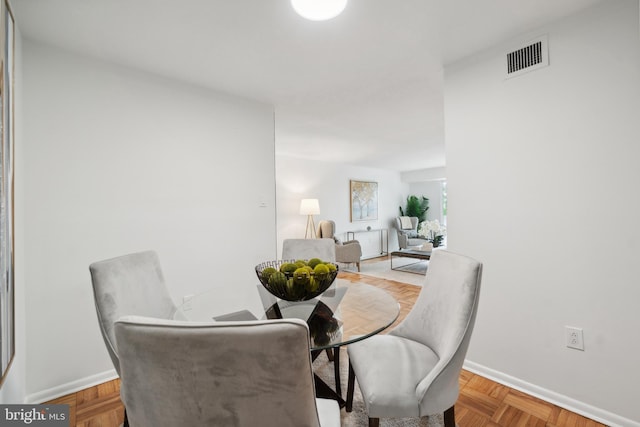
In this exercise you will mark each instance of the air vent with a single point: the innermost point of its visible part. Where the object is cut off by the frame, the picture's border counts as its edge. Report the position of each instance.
(532, 56)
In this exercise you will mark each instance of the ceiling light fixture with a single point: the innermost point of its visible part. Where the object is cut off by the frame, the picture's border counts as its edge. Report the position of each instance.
(319, 10)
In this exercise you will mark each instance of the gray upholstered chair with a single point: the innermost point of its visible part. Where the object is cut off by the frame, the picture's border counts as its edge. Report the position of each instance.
(407, 229)
(413, 371)
(348, 252)
(325, 249)
(129, 284)
(254, 373)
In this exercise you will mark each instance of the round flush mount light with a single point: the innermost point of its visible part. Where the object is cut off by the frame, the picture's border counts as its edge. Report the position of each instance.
(319, 10)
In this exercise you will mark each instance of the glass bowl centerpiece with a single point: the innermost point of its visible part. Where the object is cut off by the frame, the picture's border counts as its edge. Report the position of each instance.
(297, 280)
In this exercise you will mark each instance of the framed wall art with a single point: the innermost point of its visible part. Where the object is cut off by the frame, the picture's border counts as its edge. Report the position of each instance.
(7, 296)
(364, 200)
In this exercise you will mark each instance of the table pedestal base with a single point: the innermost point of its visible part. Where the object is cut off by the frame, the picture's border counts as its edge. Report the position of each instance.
(322, 388)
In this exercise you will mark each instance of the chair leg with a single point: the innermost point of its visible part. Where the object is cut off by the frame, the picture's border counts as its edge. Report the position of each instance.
(374, 422)
(358, 264)
(350, 388)
(450, 417)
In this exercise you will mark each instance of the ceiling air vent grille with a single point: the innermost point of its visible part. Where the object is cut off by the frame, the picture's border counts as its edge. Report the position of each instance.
(532, 56)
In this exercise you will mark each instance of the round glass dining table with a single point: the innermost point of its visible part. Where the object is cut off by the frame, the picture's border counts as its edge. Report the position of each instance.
(347, 312)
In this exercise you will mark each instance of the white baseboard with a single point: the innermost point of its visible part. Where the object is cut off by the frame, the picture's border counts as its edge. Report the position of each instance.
(72, 387)
(568, 403)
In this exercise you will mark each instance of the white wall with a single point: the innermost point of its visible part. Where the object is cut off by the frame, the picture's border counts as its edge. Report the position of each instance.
(543, 181)
(117, 161)
(298, 179)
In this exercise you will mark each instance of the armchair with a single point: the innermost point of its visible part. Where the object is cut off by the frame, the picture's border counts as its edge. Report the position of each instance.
(348, 252)
(407, 228)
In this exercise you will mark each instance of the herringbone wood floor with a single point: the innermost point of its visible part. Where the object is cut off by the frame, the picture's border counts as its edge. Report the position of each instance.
(482, 402)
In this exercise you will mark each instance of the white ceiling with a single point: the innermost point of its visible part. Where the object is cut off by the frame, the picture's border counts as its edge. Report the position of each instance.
(364, 88)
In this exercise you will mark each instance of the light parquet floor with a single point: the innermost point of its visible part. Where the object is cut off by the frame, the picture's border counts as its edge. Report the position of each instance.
(482, 402)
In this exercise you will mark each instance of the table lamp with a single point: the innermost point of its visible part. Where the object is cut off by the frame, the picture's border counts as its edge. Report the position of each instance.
(310, 207)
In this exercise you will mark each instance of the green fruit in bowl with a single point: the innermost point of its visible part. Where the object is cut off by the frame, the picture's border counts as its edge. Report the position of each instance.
(267, 272)
(278, 281)
(324, 274)
(321, 269)
(313, 262)
(288, 267)
(301, 277)
(290, 288)
(296, 280)
(313, 284)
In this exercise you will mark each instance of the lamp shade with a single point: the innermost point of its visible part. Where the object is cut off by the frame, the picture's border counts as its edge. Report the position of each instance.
(318, 10)
(309, 207)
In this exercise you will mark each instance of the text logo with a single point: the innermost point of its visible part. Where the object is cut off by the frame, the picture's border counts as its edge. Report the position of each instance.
(34, 415)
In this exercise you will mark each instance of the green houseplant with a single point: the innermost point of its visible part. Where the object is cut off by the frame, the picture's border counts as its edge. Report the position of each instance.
(416, 206)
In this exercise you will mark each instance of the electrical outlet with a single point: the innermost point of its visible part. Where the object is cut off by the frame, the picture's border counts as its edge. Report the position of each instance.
(574, 337)
(186, 303)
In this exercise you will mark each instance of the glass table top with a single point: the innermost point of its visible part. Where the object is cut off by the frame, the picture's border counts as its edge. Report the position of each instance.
(346, 312)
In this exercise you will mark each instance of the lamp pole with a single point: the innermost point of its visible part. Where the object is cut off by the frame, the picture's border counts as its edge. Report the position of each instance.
(310, 207)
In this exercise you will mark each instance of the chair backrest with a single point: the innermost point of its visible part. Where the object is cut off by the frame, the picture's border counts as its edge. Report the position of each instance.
(129, 284)
(414, 223)
(252, 373)
(442, 319)
(325, 249)
(326, 229)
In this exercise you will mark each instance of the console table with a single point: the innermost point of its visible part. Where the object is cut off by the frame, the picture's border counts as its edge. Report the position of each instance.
(382, 232)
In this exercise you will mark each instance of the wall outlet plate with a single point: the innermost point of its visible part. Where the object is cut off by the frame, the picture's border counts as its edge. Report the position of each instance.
(574, 337)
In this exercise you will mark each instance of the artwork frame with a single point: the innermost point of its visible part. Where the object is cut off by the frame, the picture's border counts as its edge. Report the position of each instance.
(7, 243)
(363, 200)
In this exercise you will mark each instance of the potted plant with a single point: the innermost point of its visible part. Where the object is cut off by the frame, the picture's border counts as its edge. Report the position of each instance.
(416, 206)
(433, 231)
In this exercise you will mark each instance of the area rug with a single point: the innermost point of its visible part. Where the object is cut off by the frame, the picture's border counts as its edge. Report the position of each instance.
(382, 269)
(358, 417)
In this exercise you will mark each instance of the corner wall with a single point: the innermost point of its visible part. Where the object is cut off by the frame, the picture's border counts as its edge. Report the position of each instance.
(432, 190)
(542, 176)
(117, 161)
(13, 387)
(428, 183)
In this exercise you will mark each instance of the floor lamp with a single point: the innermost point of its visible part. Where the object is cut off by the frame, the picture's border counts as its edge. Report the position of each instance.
(310, 207)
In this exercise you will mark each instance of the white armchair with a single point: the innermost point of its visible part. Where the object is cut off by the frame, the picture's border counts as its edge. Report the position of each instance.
(407, 228)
